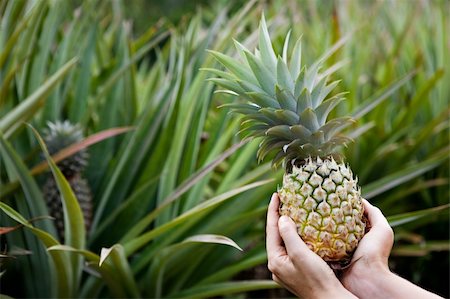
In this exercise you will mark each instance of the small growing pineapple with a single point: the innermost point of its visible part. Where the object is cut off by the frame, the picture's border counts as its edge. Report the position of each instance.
(58, 136)
(287, 106)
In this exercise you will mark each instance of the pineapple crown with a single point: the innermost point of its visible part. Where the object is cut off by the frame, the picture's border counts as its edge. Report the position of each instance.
(286, 104)
(60, 135)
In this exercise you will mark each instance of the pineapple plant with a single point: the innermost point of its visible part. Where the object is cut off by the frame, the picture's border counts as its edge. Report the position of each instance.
(287, 105)
(58, 136)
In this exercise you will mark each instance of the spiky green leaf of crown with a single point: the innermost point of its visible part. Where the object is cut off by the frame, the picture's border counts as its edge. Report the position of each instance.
(286, 103)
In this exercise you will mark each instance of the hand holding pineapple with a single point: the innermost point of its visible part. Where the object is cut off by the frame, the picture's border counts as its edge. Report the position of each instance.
(306, 275)
(369, 275)
(293, 265)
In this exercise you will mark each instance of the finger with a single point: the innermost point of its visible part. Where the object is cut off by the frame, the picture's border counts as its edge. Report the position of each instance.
(288, 231)
(374, 214)
(379, 225)
(273, 240)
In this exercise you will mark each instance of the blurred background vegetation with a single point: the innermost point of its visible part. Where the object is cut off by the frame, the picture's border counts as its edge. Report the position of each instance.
(172, 186)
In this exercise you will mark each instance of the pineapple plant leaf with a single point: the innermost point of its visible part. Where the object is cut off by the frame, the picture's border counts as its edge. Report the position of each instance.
(12, 121)
(288, 106)
(61, 261)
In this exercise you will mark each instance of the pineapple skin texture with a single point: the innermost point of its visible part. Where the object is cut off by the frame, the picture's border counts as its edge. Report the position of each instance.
(324, 200)
(83, 194)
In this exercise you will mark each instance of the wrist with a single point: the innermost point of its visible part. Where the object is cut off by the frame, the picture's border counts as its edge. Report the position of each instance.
(336, 291)
(341, 293)
(364, 279)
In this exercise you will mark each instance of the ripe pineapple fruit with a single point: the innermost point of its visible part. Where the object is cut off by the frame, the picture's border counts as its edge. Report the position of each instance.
(287, 106)
(58, 136)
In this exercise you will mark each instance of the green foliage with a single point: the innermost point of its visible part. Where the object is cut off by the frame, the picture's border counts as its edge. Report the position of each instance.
(176, 184)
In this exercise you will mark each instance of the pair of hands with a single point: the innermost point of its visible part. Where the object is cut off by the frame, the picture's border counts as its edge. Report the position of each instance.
(302, 272)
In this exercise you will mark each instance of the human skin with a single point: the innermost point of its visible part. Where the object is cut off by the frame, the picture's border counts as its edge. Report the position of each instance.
(369, 275)
(305, 274)
(293, 264)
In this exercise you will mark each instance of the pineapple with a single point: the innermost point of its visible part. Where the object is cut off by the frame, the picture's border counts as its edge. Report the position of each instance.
(287, 106)
(58, 136)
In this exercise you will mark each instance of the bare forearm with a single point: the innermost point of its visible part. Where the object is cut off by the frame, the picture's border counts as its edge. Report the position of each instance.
(386, 284)
(402, 288)
(337, 292)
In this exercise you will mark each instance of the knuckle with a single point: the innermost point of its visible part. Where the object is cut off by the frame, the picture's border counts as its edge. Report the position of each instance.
(273, 266)
(390, 233)
(270, 266)
(387, 229)
(377, 210)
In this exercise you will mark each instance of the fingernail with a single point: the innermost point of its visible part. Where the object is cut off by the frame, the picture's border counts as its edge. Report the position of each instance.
(274, 195)
(284, 220)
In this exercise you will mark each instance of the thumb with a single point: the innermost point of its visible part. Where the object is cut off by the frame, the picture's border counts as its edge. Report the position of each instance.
(289, 234)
